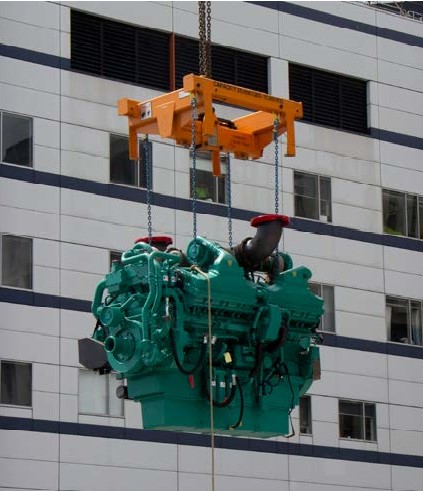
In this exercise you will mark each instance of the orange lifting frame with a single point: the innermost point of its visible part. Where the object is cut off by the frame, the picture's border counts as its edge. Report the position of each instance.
(170, 116)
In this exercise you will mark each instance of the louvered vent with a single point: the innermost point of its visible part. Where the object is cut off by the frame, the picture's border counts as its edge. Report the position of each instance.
(329, 99)
(119, 51)
(228, 65)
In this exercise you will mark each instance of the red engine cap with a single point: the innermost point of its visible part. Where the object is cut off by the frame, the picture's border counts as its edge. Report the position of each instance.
(256, 221)
(156, 239)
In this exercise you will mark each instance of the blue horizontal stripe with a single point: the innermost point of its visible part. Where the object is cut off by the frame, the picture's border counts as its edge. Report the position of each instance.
(127, 193)
(196, 440)
(64, 63)
(34, 299)
(342, 22)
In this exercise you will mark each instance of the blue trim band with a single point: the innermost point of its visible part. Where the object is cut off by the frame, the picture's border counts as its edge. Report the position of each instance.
(196, 440)
(183, 204)
(64, 63)
(336, 21)
(34, 299)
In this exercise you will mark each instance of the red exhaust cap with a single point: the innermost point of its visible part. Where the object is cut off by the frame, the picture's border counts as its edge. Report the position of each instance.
(256, 221)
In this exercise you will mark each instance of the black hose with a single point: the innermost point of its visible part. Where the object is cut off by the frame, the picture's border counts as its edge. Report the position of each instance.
(241, 406)
(225, 402)
(178, 363)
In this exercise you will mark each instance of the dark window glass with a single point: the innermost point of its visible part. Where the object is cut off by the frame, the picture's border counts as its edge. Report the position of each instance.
(330, 99)
(305, 415)
(16, 383)
(412, 216)
(325, 199)
(208, 187)
(416, 323)
(306, 195)
(114, 256)
(16, 139)
(357, 420)
(125, 171)
(119, 51)
(421, 217)
(394, 212)
(397, 319)
(16, 262)
(228, 65)
(327, 322)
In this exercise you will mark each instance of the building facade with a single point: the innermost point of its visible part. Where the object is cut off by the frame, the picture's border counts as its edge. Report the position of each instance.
(70, 202)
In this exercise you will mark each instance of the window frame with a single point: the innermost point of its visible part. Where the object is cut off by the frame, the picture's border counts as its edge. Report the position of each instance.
(329, 218)
(31, 136)
(363, 420)
(409, 302)
(107, 397)
(18, 362)
(139, 163)
(31, 260)
(206, 157)
(419, 221)
(111, 259)
(321, 286)
(309, 416)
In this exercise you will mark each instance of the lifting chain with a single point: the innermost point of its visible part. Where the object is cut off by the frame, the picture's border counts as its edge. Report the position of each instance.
(147, 163)
(194, 118)
(229, 197)
(204, 34)
(275, 139)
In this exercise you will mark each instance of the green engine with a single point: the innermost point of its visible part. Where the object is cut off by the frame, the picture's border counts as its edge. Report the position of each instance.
(232, 328)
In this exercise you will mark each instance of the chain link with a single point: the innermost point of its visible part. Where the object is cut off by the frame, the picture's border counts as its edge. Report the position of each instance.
(204, 34)
(147, 163)
(194, 118)
(208, 42)
(275, 139)
(229, 197)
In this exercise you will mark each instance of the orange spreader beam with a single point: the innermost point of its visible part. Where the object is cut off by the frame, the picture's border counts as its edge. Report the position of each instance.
(170, 116)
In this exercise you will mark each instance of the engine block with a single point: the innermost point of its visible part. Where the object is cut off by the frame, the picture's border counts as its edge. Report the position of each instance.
(156, 308)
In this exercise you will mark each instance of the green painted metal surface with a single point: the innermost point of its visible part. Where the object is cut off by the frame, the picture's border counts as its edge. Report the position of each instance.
(152, 316)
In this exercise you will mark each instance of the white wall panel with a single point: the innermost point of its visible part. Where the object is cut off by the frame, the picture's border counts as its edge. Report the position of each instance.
(392, 97)
(85, 259)
(406, 261)
(81, 477)
(356, 194)
(394, 52)
(326, 58)
(406, 369)
(328, 36)
(69, 380)
(402, 179)
(45, 405)
(46, 280)
(24, 346)
(360, 301)
(46, 159)
(278, 78)
(357, 218)
(26, 318)
(76, 325)
(325, 433)
(355, 362)
(46, 133)
(28, 474)
(118, 453)
(69, 408)
(357, 325)
(407, 442)
(405, 393)
(29, 445)
(401, 76)
(407, 478)
(46, 253)
(398, 23)
(75, 284)
(353, 11)
(29, 102)
(19, 194)
(337, 472)
(18, 33)
(404, 284)
(405, 418)
(158, 15)
(401, 122)
(29, 75)
(45, 377)
(324, 408)
(42, 14)
(85, 166)
(400, 156)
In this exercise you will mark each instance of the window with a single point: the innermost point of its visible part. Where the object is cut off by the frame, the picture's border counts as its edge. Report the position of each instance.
(119, 51)
(16, 383)
(228, 65)
(125, 171)
(146, 56)
(97, 394)
(209, 188)
(327, 322)
(330, 99)
(15, 139)
(305, 415)
(16, 261)
(402, 214)
(404, 320)
(312, 196)
(114, 256)
(357, 420)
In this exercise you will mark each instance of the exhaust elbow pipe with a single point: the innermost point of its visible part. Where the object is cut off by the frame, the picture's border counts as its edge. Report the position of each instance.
(252, 251)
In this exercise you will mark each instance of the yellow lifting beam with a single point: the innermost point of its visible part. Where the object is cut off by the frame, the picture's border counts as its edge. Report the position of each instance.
(170, 116)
